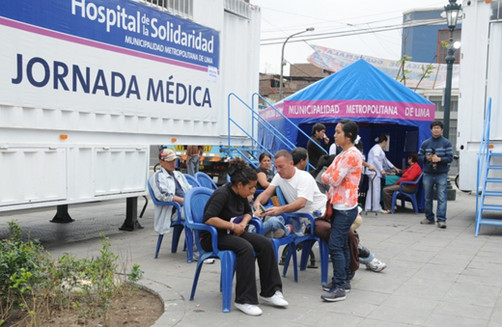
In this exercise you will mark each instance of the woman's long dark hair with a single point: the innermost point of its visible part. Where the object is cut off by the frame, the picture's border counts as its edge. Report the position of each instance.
(240, 171)
(263, 155)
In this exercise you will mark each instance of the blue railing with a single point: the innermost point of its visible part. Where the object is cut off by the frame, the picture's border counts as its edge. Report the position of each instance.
(483, 158)
(257, 119)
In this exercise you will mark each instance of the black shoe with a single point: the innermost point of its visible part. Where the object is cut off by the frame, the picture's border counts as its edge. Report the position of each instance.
(335, 295)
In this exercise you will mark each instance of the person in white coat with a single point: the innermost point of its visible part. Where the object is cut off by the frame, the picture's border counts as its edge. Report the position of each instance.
(376, 158)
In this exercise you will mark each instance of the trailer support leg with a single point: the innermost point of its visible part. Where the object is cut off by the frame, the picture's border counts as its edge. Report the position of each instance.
(131, 221)
(144, 207)
(62, 216)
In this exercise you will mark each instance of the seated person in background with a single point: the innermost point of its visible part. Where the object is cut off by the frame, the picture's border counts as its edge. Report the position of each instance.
(169, 185)
(300, 158)
(275, 226)
(299, 188)
(409, 174)
(264, 171)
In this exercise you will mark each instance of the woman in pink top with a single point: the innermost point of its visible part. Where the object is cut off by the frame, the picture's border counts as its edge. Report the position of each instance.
(343, 177)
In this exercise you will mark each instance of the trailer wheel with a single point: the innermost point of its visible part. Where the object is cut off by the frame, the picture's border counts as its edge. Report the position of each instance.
(457, 185)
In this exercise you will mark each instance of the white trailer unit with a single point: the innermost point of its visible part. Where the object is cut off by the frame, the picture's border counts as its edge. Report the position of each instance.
(87, 85)
(480, 79)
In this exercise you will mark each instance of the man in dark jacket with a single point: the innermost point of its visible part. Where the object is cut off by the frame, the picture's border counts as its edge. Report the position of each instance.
(436, 153)
(319, 146)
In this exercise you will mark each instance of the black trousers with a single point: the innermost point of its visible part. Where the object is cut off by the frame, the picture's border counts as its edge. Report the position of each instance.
(245, 247)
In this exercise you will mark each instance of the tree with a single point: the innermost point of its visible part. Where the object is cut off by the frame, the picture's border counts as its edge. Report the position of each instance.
(403, 72)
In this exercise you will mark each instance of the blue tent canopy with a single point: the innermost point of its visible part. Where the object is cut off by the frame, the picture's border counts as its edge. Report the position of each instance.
(363, 93)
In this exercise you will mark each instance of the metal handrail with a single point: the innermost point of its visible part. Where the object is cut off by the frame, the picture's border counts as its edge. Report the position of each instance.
(290, 122)
(482, 172)
(256, 118)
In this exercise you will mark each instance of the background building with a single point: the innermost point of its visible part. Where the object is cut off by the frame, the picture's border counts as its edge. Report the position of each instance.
(426, 38)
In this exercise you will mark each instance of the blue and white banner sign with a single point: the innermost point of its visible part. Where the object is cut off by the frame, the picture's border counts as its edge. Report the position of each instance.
(107, 56)
(124, 24)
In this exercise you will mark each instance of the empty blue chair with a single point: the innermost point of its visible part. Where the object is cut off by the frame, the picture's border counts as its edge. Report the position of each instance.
(191, 180)
(403, 196)
(205, 181)
(177, 226)
(195, 201)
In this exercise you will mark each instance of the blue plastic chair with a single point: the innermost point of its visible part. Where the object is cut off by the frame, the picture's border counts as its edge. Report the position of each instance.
(205, 181)
(403, 196)
(177, 225)
(289, 240)
(195, 201)
(307, 242)
(191, 180)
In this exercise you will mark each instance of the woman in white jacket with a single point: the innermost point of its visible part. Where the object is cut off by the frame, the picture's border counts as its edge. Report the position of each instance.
(376, 158)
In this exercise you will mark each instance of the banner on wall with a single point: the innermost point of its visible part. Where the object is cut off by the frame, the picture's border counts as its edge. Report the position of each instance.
(107, 55)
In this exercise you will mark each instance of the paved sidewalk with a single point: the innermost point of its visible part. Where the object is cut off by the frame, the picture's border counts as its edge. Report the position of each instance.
(434, 277)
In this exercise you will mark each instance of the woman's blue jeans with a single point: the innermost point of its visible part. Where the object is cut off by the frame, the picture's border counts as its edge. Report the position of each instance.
(338, 245)
(441, 182)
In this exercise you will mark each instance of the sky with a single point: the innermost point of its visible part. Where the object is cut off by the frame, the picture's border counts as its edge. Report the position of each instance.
(281, 18)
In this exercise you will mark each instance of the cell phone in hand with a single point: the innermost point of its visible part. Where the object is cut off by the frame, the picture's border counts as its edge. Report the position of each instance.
(262, 208)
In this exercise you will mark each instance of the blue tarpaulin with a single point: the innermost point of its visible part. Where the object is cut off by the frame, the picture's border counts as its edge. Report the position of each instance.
(363, 93)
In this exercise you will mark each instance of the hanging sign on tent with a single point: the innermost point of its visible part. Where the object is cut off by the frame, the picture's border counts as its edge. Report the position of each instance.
(358, 108)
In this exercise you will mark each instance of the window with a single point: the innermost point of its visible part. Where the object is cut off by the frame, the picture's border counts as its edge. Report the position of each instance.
(182, 8)
(444, 38)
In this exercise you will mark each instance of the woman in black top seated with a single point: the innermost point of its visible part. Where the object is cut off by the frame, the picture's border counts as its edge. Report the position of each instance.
(265, 173)
(227, 202)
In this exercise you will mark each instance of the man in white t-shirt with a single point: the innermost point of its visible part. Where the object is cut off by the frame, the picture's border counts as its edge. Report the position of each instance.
(299, 188)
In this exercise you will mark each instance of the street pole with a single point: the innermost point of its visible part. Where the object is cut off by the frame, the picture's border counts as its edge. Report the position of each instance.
(450, 59)
(452, 12)
(281, 94)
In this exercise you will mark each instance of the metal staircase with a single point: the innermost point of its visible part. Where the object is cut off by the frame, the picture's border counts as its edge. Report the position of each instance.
(487, 178)
(251, 152)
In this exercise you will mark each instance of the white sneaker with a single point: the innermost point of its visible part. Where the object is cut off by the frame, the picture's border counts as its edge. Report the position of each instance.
(209, 261)
(376, 265)
(277, 299)
(249, 309)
